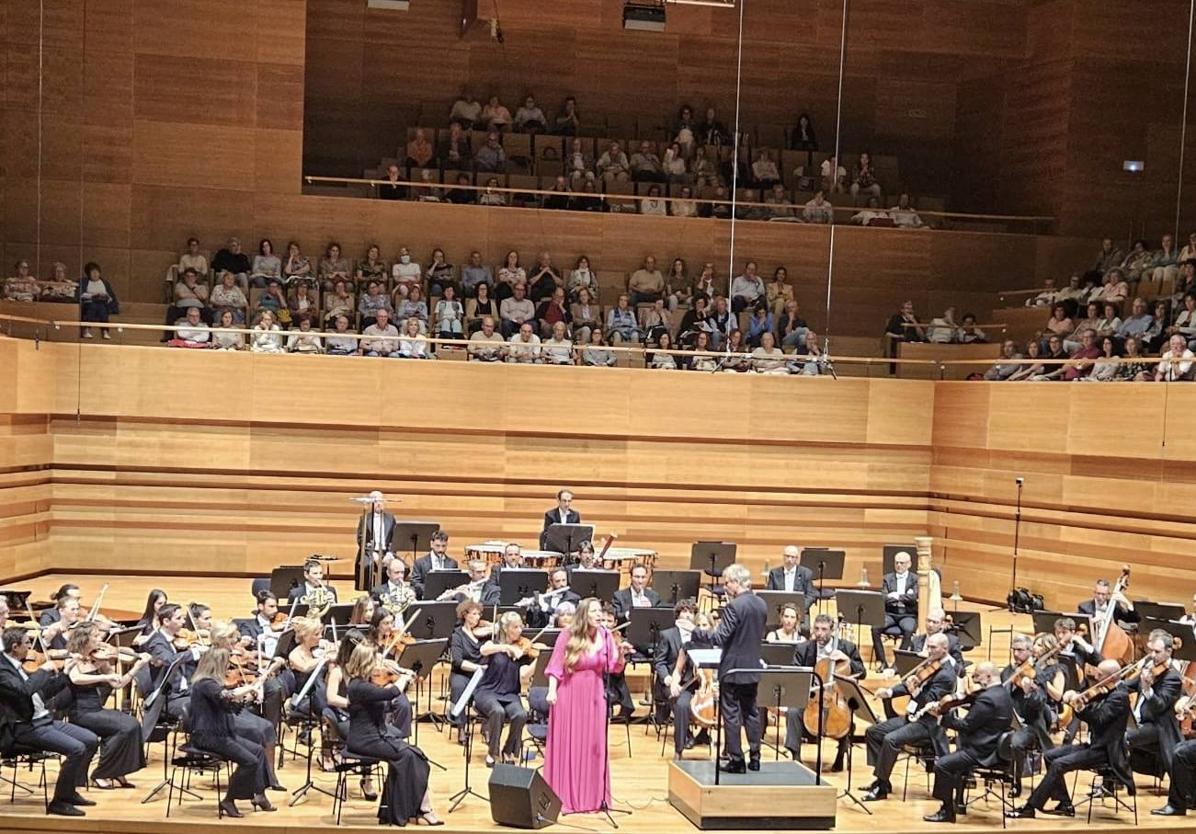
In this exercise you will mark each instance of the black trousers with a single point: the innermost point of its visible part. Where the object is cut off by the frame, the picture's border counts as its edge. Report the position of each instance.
(457, 683)
(1060, 762)
(681, 711)
(885, 740)
(77, 744)
(737, 701)
(122, 750)
(1182, 793)
(896, 625)
(249, 776)
(1024, 739)
(497, 709)
(950, 772)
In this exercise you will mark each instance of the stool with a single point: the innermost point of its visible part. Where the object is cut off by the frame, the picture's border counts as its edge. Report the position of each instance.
(193, 761)
(1000, 774)
(350, 764)
(1109, 786)
(31, 757)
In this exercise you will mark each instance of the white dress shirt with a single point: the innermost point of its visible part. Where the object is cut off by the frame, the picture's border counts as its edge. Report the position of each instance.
(39, 706)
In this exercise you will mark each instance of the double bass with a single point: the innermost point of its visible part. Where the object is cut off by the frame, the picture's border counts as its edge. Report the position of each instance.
(1111, 641)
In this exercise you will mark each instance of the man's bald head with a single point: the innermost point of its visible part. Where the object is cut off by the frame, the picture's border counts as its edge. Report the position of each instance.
(1108, 667)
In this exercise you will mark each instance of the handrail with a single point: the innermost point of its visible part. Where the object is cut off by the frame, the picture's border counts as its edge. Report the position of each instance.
(313, 179)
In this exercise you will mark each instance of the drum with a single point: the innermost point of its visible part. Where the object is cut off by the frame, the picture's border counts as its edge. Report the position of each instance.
(544, 559)
(623, 558)
(488, 551)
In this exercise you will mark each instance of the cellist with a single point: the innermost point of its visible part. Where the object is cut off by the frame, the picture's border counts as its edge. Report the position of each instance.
(675, 682)
(825, 645)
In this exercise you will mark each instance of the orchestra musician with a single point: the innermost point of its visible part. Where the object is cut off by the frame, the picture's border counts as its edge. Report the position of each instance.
(306, 659)
(51, 615)
(900, 589)
(788, 629)
(587, 559)
(336, 693)
(436, 559)
(637, 595)
(977, 739)
(466, 656)
(1106, 715)
(67, 614)
(675, 686)
(314, 592)
(261, 632)
(739, 634)
(214, 731)
(405, 795)
(541, 607)
(512, 557)
(149, 617)
(825, 644)
(563, 513)
(396, 592)
(172, 667)
(1153, 741)
(1102, 597)
(497, 698)
(936, 623)
(793, 577)
(375, 532)
(617, 690)
(478, 588)
(25, 720)
(1075, 646)
(1034, 698)
(885, 740)
(363, 611)
(382, 636)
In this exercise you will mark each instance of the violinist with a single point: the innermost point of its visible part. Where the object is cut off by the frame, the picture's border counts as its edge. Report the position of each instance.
(508, 660)
(1105, 709)
(25, 720)
(265, 626)
(395, 593)
(406, 795)
(166, 660)
(936, 623)
(214, 730)
(466, 654)
(149, 617)
(67, 591)
(67, 615)
(1153, 741)
(978, 735)
(363, 611)
(1034, 696)
(825, 645)
(929, 682)
(314, 591)
(676, 686)
(388, 644)
(788, 629)
(93, 678)
(436, 559)
(476, 589)
(306, 659)
(336, 692)
(201, 621)
(617, 690)
(1074, 645)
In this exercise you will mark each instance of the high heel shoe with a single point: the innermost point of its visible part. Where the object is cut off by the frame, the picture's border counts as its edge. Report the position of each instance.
(229, 809)
(366, 791)
(261, 803)
(428, 818)
(95, 783)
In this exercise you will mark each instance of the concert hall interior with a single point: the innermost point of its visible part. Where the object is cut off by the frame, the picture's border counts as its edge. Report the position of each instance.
(796, 371)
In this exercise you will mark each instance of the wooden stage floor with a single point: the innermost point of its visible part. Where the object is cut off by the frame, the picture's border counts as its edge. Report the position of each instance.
(639, 775)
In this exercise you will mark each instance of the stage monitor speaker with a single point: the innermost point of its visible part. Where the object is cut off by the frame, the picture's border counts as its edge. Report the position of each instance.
(520, 798)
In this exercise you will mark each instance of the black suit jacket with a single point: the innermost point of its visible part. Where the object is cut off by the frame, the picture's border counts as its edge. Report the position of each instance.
(1035, 709)
(739, 634)
(905, 605)
(1123, 615)
(365, 531)
(421, 569)
(1159, 709)
(16, 697)
(552, 517)
(299, 590)
(803, 583)
(1106, 719)
(980, 731)
(622, 602)
(918, 642)
(668, 647)
(806, 654)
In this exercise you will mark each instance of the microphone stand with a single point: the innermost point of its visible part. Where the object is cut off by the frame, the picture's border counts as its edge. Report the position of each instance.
(605, 808)
(1017, 527)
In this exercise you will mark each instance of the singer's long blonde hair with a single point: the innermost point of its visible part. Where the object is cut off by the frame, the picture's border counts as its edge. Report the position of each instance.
(579, 632)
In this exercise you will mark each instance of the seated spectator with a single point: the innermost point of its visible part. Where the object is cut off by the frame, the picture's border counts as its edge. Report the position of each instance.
(455, 150)
(1176, 362)
(413, 307)
(492, 196)
(673, 164)
(341, 341)
(834, 176)
(696, 320)
(1032, 368)
(567, 120)
(1137, 324)
(1090, 322)
(969, 333)
(662, 358)
(1108, 257)
(872, 215)
(792, 326)
(779, 206)
(722, 322)
(646, 165)
(341, 302)
(553, 311)
(226, 295)
(21, 285)
(1060, 323)
(372, 302)
(467, 111)
(96, 299)
(747, 289)
(767, 358)
(478, 307)
(656, 321)
(297, 265)
(646, 284)
(188, 293)
(429, 190)
(449, 315)
(1054, 361)
(1114, 288)
(275, 301)
(266, 264)
(802, 137)
(414, 344)
(544, 280)
(193, 259)
(709, 364)
(613, 165)
(684, 131)
(509, 274)
(1186, 282)
(232, 259)
(303, 301)
(192, 332)
(736, 359)
(704, 170)
(1161, 270)
(864, 178)
(684, 204)
(475, 273)
(654, 203)
(390, 189)
(1131, 370)
(1083, 358)
(406, 273)
(227, 341)
(1108, 323)
(495, 116)
(559, 199)
(595, 353)
(333, 266)
(370, 268)
(304, 339)
(808, 359)
(760, 323)
(524, 346)
(1046, 298)
(1004, 370)
(420, 152)
(379, 338)
(620, 321)
(719, 205)
(589, 199)
(1105, 369)
(1185, 321)
(530, 118)
(558, 350)
(764, 169)
(903, 214)
(1137, 260)
(585, 315)
(710, 131)
(517, 311)
(818, 209)
(678, 287)
(705, 283)
(1154, 339)
(944, 329)
(491, 157)
(485, 345)
(267, 335)
(439, 274)
(578, 163)
(903, 326)
(582, 277)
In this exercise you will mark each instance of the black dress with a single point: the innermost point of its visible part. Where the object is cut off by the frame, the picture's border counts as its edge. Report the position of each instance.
(122, 748)
(213, 730)
(462, 647)
(369, 735)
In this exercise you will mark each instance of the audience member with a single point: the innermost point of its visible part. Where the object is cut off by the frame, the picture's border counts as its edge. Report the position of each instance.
(297, 265)
(864, 178)
(544, 280)
(449, 315)
(1176, 362)
(1185, 321)
(304, 339)
(373, 302)
(530, 118)
(802, 137)
(1161, 270)
(523, 347)
(22, 285)
(439, 273)
(517, 310)
(595, 353)
(764, 170)
(302, 301)
(736, 360)
(613, 165)
(266, 264)
(478, 307)
(620, 320)
(1054, 362)
(809, 359)
(674, 163)
(419, 150)
(1108, 323)
(747, 289)
(495, 116)
(1091, 321)
(578, 163)
(227, 341)
(873, 215)
(370, 268)
(1108, 257)
(722, 322)
(834, 176)
(192, 332)
(903, 326)
(684, 204)
(466, 111)
(96, 298)
(558, 200)
(509, 274)
(703, 169)
(944, 329)
(406, 273)
(661, 359)
(233, 260)
(558, 350)
(332, 267)
(193, 259)
(188, 292)
(275, 301)
(553, 311)
(655, 321)
(1106, 367)
(341, 341)
(1060, 323)
(818, 209)
(780, 208)
(1082, 359)
(491, 157)
(760, 323)
(267, 335)
(390, 189)
(413, 307)
(792, 326)
(226, 295)
(585, 315)
(969, 333)
(381, 337)
(567, 121)
(1133, 366)
(1154, 338)
(1137, 324)
(678, 286)
(1031, 368)
(492, 196)
(1004, 370)
(414, 344)
(903, 214)
(1137, 260)
(702, 345)
(340, 302)
(710, 131)
(767, 358)
(486, 345)
(705, 283)
(582, 277)
(654, 203)
(455, 151)
(475, 273)
(646, 284)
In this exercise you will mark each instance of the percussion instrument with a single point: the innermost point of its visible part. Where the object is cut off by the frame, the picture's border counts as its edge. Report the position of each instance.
(490, 551)
(545, 559)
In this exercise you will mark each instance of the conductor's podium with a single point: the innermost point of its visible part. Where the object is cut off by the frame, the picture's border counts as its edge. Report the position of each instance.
(780, 795)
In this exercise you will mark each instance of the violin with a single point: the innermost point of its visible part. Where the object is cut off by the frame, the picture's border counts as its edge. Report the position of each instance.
(921, 673)
(388, 672)
(239, 674)
(1103, 687)
(107, 653)
(186, 638)
(36, 659)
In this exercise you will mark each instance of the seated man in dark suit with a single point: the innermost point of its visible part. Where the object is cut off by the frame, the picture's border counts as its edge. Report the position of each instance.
(436, 559)
(313, 588)
(170, 665)
(395, 590)
(637, 595)
(672, 686)
(24, 720)
(793, 577)
(936, 623)
(807, 653)
(562, 514)
(1102, 597)
(1153, 741)
(900, 589)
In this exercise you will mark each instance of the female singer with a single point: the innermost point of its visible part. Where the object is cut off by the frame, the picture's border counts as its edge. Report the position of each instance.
(149, 617)
(92, 681)
(306, 659)
(406, 795)
(575, 755)
(787, 631)
(213, 730)
(249, 724)
(363, 611)
(497, 697)
(465, 650)
(381, 635)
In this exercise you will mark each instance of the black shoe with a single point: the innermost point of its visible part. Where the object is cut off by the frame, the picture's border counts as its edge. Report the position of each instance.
(81, 800)
(276, 787)
(1170, 810)
(877, 793)
(63, 809)
(1015, 790)
(961, 809)
(1063, 809)
(703, 737)
(943, 814)
(229, 808)
(261, 803)
(837, 766)
(754, 762)
(1025, 812)
(733, 766)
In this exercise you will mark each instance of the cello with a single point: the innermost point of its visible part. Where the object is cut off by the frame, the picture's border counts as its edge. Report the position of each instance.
(834, 717)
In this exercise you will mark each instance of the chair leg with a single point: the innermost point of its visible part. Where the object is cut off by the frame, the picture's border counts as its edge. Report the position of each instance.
(170, 792)
(219, 791)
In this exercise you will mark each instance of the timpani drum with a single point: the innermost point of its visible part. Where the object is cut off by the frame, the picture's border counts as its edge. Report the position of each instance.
(543, 559)
(623, 558)
(490, 551)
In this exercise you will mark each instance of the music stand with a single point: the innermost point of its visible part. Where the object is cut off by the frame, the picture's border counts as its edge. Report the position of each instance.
(420, 657)
(776, 600)
(1044, 621)
(825, 564)
(438, 581)
(968, 625)
(890, 550)
(413, 535)
(712, 558)
(856, 700)
(459, 707)
(1159, 610)
(788, 687)
(516, 584)
(676, 585)
(1187, 646)
(861, 608)
(539, 671)
(436, 621)
(566, 538)
(904, 661)
(777, 654)
(600, 584)
(646, 626)
(283, 578)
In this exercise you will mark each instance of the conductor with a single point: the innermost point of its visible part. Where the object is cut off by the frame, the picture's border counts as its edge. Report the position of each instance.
(563, 513)
(374, 533)
(739, 634)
